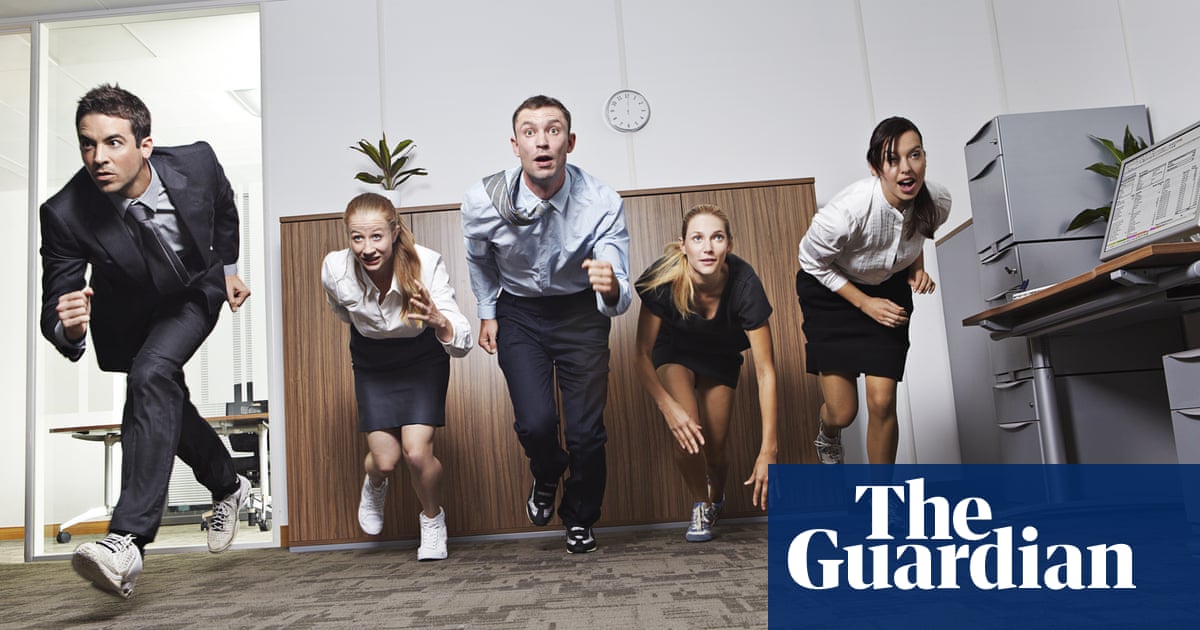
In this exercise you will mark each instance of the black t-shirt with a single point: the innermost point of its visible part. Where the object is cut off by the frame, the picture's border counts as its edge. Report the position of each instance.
(744, 306)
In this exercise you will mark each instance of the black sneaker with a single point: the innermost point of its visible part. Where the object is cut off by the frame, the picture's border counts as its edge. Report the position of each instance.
(580, 539)
(540, 506)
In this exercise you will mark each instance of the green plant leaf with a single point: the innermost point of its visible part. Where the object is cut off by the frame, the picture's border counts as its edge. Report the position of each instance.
(1088, 217)
(1107, 170)
(1112, 148)
(368, 149)
(369, 178)
(1132, 145)
(389, 160)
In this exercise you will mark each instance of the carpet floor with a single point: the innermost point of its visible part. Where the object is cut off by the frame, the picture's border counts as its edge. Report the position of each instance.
(636, 579)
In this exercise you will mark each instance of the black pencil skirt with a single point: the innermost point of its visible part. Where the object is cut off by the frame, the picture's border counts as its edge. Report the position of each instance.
(399, 381)
(841, 338)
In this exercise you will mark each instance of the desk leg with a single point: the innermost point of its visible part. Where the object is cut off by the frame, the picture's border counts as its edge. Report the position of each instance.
(1050, 422)
(264, 477)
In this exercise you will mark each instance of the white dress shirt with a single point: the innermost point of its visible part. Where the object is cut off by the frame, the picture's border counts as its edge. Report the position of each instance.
(354, 298)
(545, 258)
(858, 236)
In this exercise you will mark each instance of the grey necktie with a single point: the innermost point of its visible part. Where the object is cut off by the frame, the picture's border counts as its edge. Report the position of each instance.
(165, 266)
(501, 193)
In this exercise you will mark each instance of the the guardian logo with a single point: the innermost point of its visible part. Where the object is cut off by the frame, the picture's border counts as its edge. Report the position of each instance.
(957, 549)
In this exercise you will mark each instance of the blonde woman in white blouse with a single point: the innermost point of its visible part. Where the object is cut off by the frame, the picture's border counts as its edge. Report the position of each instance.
(861, 260)
(404, 327)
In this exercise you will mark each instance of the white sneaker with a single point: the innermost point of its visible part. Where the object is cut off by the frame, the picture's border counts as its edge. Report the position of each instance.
(433, 537)
(370, 507)
(112, 564)
(223, 526)
(829, 450)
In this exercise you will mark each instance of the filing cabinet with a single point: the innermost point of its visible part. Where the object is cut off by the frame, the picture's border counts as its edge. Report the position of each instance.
(1182, 370)
(1033, 265)
(1027, 178)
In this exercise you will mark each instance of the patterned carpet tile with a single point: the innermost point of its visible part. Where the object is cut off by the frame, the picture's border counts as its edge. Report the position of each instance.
(635, 580)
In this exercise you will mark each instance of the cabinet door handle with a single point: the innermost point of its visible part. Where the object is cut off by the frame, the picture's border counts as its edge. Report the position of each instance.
(1186, 355)
(987, 169)
(1191, 413)
(1010, 384)
(1012, 426)
(1010, 270)
(996, 256)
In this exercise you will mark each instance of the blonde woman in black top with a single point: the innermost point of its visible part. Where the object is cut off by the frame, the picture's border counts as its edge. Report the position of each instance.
(701, 308)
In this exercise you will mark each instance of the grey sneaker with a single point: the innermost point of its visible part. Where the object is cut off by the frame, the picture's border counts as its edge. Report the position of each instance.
(433, 537)
(717, 508)
(112, 564)
(829, 450)
(370, 507)
(701, 528)
(222, 527)
(540, 505)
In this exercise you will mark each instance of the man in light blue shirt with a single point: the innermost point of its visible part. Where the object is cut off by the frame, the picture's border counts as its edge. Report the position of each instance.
(548, 255)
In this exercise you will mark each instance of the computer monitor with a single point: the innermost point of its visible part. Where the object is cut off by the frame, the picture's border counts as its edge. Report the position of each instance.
(1157, 197)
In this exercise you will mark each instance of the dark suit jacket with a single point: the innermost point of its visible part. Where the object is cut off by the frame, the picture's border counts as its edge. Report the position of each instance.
(80, 227)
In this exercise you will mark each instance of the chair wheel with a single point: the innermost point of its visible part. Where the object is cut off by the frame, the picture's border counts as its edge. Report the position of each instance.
(264, 525)
(203, 524)
(252, 519)
(63, 536)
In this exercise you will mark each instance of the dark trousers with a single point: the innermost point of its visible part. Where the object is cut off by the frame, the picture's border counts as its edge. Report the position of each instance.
(159, 422)
(563, 338)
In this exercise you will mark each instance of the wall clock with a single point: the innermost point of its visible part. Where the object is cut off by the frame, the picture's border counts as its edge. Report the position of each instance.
(627, 111)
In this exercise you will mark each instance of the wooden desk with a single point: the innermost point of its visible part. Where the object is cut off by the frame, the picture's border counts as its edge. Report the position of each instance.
(1151, 280)
(110, 434)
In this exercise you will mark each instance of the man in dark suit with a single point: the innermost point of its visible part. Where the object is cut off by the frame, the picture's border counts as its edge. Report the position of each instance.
(159, 228)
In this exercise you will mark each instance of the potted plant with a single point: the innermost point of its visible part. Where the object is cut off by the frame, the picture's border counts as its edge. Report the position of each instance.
(1130, 146)
(389, 161)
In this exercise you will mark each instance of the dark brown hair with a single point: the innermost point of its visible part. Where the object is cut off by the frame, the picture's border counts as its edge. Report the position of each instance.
(111, 100)
(923, 219)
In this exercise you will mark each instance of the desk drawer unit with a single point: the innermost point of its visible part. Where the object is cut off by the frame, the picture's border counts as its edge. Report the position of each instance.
(1020, 443)
(1186, 425)
(1015, 402)
(1182, 371)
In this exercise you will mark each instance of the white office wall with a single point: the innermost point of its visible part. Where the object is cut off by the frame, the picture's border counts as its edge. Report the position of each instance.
(1063, 54)
(1160, 38)
(763, 89)
(757, 90)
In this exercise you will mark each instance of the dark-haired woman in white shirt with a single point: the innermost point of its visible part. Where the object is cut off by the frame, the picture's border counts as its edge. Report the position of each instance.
(861, 260)
(404, 327)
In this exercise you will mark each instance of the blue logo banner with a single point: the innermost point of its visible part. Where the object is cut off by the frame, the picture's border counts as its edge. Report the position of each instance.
(1014, 546)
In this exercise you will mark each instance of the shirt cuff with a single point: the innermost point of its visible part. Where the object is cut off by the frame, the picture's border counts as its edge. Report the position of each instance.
(60, 335)
(231, 270)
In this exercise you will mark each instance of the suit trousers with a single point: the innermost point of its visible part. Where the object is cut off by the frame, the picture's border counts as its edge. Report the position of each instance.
(160, 422)
(564, 339)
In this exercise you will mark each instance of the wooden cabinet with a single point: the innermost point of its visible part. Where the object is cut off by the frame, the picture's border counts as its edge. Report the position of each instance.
(486, 475)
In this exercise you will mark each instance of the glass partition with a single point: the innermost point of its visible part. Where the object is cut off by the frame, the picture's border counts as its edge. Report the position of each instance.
(199, 75)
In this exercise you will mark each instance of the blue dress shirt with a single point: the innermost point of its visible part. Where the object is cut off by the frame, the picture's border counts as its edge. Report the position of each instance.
(545, 258)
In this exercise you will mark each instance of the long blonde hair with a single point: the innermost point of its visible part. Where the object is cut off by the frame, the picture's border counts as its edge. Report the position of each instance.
(672, 267)
(406, 265)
